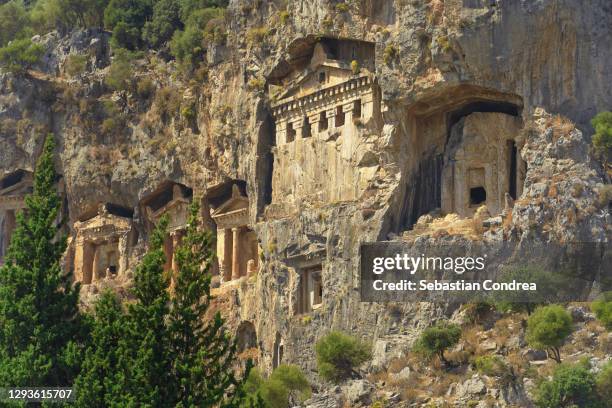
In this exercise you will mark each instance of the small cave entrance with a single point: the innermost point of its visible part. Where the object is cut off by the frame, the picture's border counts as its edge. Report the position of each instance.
(246, 337)
(478, 196)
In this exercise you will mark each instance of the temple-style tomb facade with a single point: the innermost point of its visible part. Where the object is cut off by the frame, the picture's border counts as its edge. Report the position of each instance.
(13, 189)
(102, 244)
(237, 249)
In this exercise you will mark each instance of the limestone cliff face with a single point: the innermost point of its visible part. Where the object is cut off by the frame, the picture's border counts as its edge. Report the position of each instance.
(314, 195)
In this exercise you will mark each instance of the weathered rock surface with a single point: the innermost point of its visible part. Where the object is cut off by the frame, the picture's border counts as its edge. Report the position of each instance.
(435, 62)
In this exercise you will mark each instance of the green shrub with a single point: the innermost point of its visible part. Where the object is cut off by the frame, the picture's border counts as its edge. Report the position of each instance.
(188, 113)
(256, 84)
(342, 7)
(14, 21)
(284, 17)
(603, 310)
(19, 55)
(355, 68)
(187, 46)
(120, 73)
(145, 88)
(493, 366)
(436, 339)
(75, 64)
(570, 386)
(602, 139)
(111, 126)
(547, 329)
(389, 53)
(604, 382)
(126, 18)
(165, 21)
(257, 35)
(339, 354)
(286, 381)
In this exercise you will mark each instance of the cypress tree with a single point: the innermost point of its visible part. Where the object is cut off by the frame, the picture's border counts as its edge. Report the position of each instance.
(143, 351)
(203, 355)
(41, 330)
(101, 375)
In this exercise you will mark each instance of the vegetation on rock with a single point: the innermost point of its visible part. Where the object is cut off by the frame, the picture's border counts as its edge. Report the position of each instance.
(570, 386)
(436, 339)
(603, 310)
(286, 383)
(339, 355)
(19, 55)
(602, 139)
(42, 332)
(547, 329)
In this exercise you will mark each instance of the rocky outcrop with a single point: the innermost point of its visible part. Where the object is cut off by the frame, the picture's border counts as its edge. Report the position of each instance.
(434, 64)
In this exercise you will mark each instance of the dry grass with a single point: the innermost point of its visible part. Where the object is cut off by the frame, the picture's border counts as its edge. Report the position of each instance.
(471, 339)
(502, 330)
(605, 343)
(443, 383)
(451, 224)
(561, 126)
(398, 364)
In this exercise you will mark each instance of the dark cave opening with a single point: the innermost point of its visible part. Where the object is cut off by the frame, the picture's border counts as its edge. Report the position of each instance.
(478, 195)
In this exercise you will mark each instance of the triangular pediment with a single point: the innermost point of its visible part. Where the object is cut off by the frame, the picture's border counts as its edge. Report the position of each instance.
(321, 63)
(232, 205)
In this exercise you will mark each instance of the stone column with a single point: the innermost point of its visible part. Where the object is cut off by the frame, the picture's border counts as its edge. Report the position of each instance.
(281, 132)
(177, 236)
(448, 188)
(313, 119)
(87, 262)
(96, 267)
(235, 253)
(168, 251)
(227, 253)
(367, 106)
(460, 189)
(122, 248)
(347, 108)
(331, 118)
(298, 124)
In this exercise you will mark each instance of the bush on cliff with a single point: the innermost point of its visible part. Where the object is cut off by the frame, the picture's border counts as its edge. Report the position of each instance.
(339, 354)
(19, 55)
(547, 329)
(570, 386)
(602, 139)
(436, 339)
(14, 21)
(603, 310)
(286, 384)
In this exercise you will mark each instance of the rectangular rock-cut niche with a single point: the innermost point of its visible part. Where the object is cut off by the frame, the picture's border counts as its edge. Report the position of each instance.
(99, 261)
(310, 289)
